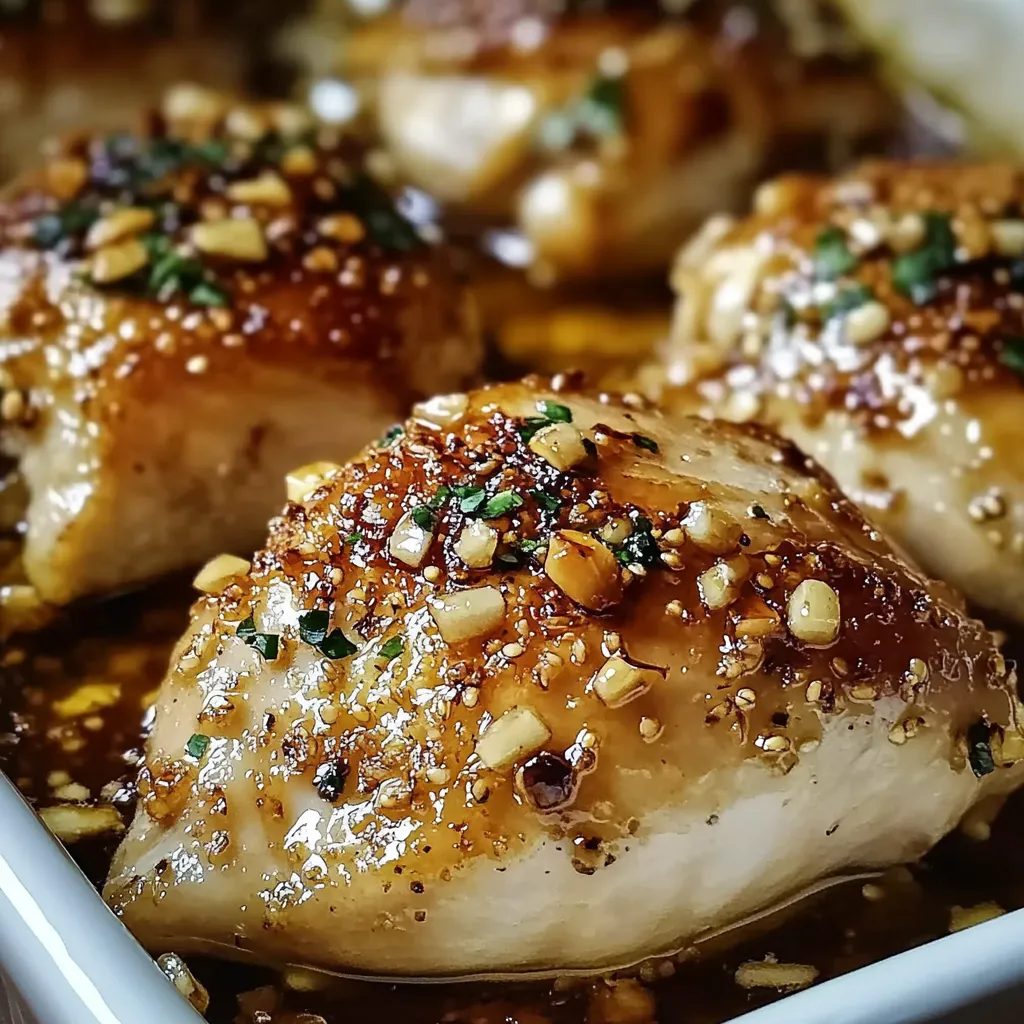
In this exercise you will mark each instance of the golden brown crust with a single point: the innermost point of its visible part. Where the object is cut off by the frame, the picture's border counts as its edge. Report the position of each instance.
(216, 231)
(856, 293)
(692, 582)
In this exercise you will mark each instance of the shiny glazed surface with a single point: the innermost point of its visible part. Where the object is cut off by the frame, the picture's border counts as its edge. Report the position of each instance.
(450, 781)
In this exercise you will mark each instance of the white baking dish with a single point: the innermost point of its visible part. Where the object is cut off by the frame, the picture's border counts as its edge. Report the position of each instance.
(68, 960)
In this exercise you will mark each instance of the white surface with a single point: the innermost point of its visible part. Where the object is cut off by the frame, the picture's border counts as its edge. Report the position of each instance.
(70, 959)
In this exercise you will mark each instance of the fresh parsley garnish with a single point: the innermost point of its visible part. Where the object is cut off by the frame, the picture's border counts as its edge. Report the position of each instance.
(1012, 353)
(471, 498)
(391, 436)
(354, 538)
(832, 256)
(336, 645)
(915, 273)
(392, 648)
(546, 500)
(647, 443)
(501, 504)
(440, 497)
(531, 425)
(598, 113)
(266, 643)
(197, 745)
(640, 547)
(979, 749)
(848, 299)
(422, 517)
(555, 412)
(329, 779)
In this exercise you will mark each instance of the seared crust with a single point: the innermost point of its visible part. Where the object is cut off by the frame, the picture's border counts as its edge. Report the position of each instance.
(330, 269)
(878, 319)
(632, 618)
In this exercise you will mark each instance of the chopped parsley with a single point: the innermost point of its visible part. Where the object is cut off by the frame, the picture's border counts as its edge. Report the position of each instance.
(546, 500)
(422, 517)
(385, 225)
(391, 436)
(313, 630)
(208, 294)
(645, 442)
(266, 643)
(442, 495)
(52, 229)
(501, 504)
(313, 627)
(758, 512)
(979, 749)
(354, 538)
(392, 649)
(336, 645)
(531, 425)
(847, 299)
(915, 273)
(197, 745)
(329, 779)
(640, 547)
(471, 498)
(600, 112)
(555, 412)
(832, 256)
(1012, 353)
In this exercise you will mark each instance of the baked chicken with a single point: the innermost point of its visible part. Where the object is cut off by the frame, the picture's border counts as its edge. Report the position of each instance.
(600, 132)
(878, 321)
(548, 682)
(185, 314)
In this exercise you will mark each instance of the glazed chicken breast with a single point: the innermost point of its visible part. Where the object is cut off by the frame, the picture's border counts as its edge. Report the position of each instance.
(186, 313)
(598, 133)
(551, 682)
(876, 319)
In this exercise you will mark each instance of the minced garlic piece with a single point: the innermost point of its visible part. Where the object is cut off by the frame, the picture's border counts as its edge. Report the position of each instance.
(711, 529)
(301, 482)
(219, 572)
(409, 541)
(476, 544)
(813, 612)
(238, 238)
(118, 261)
(441, 411)
(966, 917)
(468, 613)
(583, 569)
(763, 974)
(560, 445)
(269, 189)
(618, 681)
(720, 585)
(120, 224)
(184, 980)
(87, 699)
(518, 733)
(69, 822)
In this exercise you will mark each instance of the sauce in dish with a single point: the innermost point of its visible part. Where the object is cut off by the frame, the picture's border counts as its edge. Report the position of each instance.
(73, 714)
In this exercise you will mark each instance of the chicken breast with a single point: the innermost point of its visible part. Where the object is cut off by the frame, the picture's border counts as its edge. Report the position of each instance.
(877, 321)
(186, 314)
(552, 683)
(600, 133)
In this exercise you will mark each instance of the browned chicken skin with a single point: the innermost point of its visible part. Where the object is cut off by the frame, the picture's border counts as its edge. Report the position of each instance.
(552, 682)
(185, 314)
(878, 320)
(603, 133)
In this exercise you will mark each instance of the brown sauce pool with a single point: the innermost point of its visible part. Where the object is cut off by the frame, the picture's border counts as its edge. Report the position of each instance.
(73, 710)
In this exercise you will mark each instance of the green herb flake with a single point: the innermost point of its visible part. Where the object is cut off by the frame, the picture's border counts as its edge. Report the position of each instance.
(440, 497)
(197, 745)
(832, 256)
(848, 299)
(392, 649)
(602, 111)
(354, 538)
(555, 412)
(640, 547)
(470, 499)
(979, 750)
(313, 627)
(336, 645)
(266, 643)
(547, 501)
(531, 425)
(501, 504)
(647, 443)
(422, 517)
(1012, 353)
(208, 294)
(914, 273)
(391, 436)
(528, 546)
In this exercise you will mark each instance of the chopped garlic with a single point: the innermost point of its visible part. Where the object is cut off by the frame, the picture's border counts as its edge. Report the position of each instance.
(219, 572)
(468, 613)
(813, 613)
(409, 541)
(301, 482)
(618, 681)
(518, 733)
(763, 974)
(69, 822)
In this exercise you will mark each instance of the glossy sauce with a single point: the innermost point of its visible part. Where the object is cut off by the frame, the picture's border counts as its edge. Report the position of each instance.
(127, 643)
